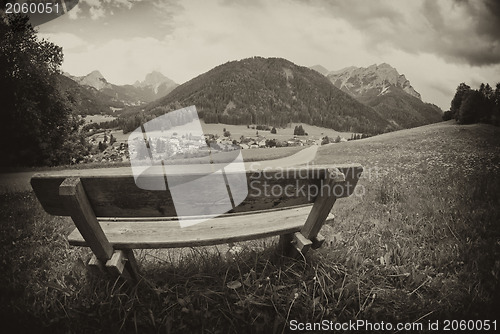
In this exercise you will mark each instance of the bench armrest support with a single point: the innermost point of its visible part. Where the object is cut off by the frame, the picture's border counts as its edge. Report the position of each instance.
(322, 205)
(76, 202)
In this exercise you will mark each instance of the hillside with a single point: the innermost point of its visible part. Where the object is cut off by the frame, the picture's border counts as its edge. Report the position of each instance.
(404, 110)
(271, 91)
(87, 100)
(390, 93)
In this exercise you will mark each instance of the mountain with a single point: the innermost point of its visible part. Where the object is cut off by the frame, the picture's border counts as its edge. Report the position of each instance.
(154, 86)
(271, 91)
(390, 93)
(94, 79)
(320, 69)
(86, 100)
(371, 81)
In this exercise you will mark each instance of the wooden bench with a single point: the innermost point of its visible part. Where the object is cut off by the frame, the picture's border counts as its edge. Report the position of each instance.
(113, 216)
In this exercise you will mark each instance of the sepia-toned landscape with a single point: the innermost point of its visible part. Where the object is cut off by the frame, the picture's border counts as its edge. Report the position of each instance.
(416, 244)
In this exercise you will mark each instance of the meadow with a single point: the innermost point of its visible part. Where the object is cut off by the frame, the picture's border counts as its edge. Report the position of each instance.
(283, 134)
(420, 242)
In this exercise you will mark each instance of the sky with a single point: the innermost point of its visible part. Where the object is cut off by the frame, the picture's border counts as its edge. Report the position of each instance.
(435, 44)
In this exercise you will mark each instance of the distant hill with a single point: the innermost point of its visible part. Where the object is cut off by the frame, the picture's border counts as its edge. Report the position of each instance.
(154, 86)
(271, 91)
(390, 93)
(320, 69)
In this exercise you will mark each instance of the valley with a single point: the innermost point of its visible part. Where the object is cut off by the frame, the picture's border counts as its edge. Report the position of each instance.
(241, 101)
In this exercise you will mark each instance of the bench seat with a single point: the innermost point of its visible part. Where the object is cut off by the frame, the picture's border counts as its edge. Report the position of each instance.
(166, 232)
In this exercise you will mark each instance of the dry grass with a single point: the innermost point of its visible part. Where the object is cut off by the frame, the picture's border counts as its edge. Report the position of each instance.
(422, 243)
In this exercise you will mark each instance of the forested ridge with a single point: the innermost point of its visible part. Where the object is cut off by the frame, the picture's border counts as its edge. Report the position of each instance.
(270, 91)
(404, 110)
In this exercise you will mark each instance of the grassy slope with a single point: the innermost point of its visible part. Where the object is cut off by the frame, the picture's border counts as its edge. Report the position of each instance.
(431, 210)
(422, 243)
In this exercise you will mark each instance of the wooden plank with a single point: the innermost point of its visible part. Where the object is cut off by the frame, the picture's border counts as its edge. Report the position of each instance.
(301, 243)
(117, 262)
(322, 205)
(75, 201)
(112, 192)
(168, 234)
(116, 266)
(317, 241)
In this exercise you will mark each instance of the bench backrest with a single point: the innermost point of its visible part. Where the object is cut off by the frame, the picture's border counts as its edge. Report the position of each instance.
(112, 192)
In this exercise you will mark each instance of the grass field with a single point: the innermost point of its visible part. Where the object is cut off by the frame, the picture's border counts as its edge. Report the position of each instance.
(419, 243)
(314, 132)
(98, 118)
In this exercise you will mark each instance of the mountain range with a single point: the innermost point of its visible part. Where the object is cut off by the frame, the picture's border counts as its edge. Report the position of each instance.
(271, 91)
(154, 86)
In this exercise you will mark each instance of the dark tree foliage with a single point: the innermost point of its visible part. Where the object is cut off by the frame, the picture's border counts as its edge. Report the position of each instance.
(473, 106)
(37, 121)
(273, 130)
(447, 115)
(271, 142)
(457, 99)
(299, 131)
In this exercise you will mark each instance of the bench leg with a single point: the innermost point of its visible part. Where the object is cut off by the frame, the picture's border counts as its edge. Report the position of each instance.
(320, 211)
(285, 245)
(96, 267)
(131, 264)
(292, 244)
(317, 241)
(123, 264)
(117, 263)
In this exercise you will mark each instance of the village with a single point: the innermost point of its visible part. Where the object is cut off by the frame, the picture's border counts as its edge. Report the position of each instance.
(105, 147)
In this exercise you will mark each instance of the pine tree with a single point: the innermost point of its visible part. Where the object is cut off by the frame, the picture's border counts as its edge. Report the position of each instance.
(456, 103)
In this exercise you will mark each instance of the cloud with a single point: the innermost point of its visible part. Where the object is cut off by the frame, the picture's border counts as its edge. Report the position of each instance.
(96, 9)
(67, 40)
(75, 12)
(96, 13)
(466, 32)
(436, 44)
